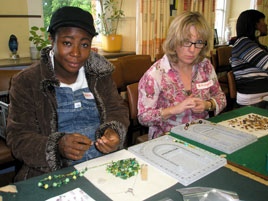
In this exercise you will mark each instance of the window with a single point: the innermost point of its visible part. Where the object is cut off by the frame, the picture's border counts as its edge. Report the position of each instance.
(220, 19)
(50, 6)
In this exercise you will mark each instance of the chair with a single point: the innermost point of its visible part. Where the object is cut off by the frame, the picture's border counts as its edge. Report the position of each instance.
(3, 116)
(7, 161)
(117, 74)
(223, 55)
(232, 89)
(132, 92)
(222, 67)
(5, 77)
(159, 56)
(133, 68)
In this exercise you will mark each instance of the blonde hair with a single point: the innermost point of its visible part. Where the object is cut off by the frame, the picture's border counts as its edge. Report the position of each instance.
(179, 31)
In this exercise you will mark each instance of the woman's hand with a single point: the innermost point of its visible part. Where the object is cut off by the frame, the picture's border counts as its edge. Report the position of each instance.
(188, 103)
(73, 146)
(109, 142)
(200, 106)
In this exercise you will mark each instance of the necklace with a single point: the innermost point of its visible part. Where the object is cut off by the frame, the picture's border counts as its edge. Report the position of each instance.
(122, 168)
(187, 92)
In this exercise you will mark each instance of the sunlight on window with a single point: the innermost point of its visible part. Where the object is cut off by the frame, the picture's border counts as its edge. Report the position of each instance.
(220, 13)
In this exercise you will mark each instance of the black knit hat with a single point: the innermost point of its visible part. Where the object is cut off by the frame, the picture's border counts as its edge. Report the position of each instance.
(72, 17)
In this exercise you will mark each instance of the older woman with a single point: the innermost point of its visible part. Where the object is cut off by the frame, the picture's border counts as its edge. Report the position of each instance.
(182, 86)
(65, 109)
(249, 60)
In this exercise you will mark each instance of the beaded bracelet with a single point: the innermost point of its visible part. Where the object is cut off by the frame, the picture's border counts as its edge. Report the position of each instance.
(72, 175)
(122, 168)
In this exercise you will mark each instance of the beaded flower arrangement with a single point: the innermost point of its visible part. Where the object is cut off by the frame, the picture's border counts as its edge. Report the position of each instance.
(122, 168)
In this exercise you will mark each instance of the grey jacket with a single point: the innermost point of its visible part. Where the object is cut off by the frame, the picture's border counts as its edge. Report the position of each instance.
(32, 131)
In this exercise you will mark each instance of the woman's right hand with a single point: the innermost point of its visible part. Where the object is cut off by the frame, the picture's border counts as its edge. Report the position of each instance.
(73, 146)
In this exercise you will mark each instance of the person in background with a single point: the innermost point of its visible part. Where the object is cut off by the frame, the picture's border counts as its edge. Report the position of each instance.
(249, 60)
(65, 109)
(182, 86)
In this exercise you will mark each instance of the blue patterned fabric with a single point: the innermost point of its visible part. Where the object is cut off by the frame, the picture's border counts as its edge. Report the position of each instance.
(250, 66)
(77, 114)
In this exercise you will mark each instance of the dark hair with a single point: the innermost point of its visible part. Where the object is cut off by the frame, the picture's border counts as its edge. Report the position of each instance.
(246, 23)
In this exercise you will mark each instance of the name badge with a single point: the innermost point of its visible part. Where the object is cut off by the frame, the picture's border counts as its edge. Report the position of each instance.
(77, 105)
(204, 85)
(88, 95)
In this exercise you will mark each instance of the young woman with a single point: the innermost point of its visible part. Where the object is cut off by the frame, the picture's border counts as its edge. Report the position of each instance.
(182, 86)
(249, 60)
(65, 109)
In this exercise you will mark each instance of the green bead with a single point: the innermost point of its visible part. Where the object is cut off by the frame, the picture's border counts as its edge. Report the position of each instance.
(54, 184)
(40, 184)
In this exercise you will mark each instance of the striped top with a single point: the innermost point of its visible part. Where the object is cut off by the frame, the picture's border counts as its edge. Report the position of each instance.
(249, 63)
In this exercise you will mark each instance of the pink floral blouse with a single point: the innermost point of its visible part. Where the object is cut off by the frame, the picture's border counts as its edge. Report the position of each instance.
(160, 87)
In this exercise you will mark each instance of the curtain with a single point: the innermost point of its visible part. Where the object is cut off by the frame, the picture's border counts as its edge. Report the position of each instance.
(153, 18)
(262, 6)
(152, 24)
(206, 8)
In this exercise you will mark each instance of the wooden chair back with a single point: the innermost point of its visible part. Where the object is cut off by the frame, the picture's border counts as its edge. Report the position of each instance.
(231, 84)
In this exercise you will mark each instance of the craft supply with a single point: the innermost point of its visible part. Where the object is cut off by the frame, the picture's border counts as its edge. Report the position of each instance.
(62, 179)
(179, 159)
(184, 143)
(75, 194)
(144, 172)
(219, 137)
(9, 188)
(123, 168)
(131, 189)
(251, 123)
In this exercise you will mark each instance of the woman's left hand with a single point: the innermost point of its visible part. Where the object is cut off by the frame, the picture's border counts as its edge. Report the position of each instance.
(109, 142)
(200, 106)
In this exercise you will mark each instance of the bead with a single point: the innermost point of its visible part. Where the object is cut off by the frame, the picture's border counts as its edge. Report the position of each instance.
(122, 168)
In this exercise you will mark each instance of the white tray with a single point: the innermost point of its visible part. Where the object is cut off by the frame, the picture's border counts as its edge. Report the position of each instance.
(181, 160)
(219, 137)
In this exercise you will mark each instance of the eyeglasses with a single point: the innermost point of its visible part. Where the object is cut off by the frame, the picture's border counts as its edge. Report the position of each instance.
(198, 44)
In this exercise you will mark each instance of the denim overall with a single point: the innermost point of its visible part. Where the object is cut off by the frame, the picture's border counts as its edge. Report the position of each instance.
(78, 114)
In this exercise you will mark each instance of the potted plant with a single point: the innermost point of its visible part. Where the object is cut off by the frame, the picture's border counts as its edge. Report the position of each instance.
(37, 37)
(107, 24)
